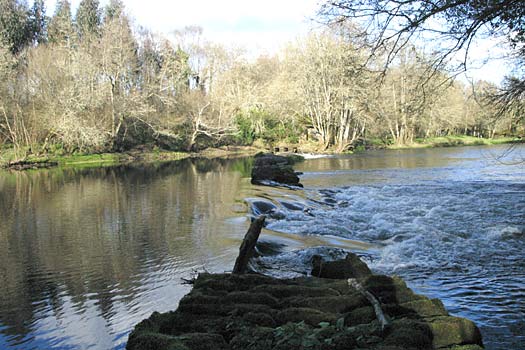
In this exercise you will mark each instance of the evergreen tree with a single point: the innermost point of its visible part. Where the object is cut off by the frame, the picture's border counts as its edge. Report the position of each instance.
(88, 18)
(61, 25)
(38, 22)
(14, 25)
(115, 9)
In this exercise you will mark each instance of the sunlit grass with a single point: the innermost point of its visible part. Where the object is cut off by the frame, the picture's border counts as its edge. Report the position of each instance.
(8, 154)
(451, 141)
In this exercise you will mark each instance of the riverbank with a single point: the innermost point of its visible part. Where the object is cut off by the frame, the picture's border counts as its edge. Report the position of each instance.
(8, 158)
(455, 141)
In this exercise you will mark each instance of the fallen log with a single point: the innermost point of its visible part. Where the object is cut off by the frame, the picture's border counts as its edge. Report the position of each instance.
(248, 245)
(352, 282)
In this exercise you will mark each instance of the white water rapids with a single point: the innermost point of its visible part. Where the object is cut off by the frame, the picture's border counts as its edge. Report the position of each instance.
(454, 230)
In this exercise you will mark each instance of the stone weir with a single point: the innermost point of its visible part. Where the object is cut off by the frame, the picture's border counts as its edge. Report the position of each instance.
(341, 306)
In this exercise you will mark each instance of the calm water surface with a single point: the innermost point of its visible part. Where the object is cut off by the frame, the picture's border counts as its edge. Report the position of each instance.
(86, 254)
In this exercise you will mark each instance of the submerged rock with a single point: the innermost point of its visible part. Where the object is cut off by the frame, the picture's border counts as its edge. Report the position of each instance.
(269, 167)
(250, 311)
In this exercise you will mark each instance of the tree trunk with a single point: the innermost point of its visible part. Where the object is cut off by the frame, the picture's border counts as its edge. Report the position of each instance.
(248, 245)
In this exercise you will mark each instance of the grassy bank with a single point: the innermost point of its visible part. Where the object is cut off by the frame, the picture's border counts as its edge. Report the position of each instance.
(93, 160)
(452, 141)
(8, 155)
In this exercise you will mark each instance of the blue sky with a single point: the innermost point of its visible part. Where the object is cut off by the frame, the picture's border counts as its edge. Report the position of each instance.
(263, 26)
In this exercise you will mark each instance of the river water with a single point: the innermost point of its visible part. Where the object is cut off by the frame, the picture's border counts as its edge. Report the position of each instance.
(85, 254)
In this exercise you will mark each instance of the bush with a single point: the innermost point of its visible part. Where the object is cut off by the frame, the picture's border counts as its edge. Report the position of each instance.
(260, 124)
(246, 131)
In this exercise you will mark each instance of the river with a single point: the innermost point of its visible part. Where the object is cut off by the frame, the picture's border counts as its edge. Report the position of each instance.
(85, 254)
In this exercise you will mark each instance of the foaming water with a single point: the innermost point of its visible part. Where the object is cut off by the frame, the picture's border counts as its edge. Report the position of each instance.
(452, 225)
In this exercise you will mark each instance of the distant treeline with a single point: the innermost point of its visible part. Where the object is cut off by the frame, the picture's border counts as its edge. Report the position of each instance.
(93, 82)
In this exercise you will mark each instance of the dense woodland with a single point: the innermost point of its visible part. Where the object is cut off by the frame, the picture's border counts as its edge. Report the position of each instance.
(93, 81)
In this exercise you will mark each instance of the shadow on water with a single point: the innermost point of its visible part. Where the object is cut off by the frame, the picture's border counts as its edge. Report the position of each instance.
(84, 248)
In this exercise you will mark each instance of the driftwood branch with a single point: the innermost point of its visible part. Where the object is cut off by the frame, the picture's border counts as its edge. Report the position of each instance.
(352, 282)
(248, 245)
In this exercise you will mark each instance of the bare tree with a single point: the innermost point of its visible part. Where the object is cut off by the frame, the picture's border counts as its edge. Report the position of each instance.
(332, 80)
(393, 25)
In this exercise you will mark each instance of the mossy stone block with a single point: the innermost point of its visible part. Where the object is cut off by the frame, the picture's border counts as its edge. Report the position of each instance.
(284, 291)
(449, 331)
(410, 334)
(390, 290)
(310, 316)
(333, 304)
(154, 341)
(362, 315)
(203, 341)
(426, 307)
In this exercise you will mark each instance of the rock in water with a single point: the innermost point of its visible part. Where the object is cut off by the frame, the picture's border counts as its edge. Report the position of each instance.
(350, 267)
(269, 167)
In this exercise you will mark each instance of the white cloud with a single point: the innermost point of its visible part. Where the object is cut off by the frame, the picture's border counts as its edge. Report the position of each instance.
(261, 26)
(258, 25)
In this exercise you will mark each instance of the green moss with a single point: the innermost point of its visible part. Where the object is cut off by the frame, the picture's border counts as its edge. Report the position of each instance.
(257, 338)
(362, 315)
(409, 334)
(105, 159)
(255, 312)
(426, 307)
(251, 298)
(153, 341)
(203, 341)
(449, 331)
(333, 304)
(284, 291)
(308, 315)
(466, 347)
(9, 154)
(222, 309)
(97, 159)
(101, 160)
(259, 319)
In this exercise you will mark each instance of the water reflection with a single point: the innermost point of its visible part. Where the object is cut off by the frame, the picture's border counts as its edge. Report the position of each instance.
(82, 251)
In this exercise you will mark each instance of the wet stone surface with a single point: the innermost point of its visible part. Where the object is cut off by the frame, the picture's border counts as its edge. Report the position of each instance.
(269, 168)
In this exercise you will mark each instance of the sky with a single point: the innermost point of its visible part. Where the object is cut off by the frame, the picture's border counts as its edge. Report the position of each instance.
(264, 26)
(259, 25)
